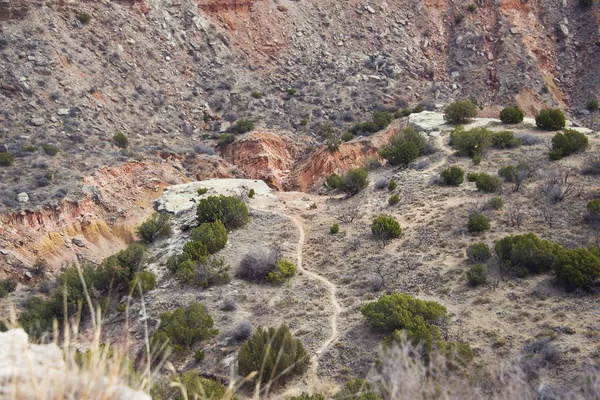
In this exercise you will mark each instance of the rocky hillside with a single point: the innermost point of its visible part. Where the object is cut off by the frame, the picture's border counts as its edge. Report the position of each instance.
(174, 76)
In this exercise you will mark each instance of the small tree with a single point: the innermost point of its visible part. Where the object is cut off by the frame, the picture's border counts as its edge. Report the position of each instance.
(273, 354)
(460, 112)
(385, 229)
(550, 119)
(453, 176)
(478, 223)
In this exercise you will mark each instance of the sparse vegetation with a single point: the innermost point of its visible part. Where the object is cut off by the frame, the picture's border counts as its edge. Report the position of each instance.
(84, 18)
(394, 199)
(453, 176)
(512, 115)
(495, 203)
(460, 112)
(265, 265)
(226, 139)
(392, 185)
(550, 119)
(273, 354)
(471, 7)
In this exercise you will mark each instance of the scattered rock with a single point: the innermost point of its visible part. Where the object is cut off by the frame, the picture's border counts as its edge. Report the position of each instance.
(37, 121)
(22, 197)
(63, 111)
(78, 241)
(563, 31)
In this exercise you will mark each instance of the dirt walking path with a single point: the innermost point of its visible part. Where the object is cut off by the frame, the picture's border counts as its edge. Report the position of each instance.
(332, 288)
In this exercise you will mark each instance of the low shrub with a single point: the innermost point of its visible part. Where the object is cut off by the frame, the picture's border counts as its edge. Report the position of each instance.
(226, 139)
(401, 154)
(418, 109)
(529, 139)
(256, 95)
(505, 140)
(184, 328)
(458, 18)
(477, 275)
(6, 159)
(242, 126)
(591, 165)
(241, 332)
(453, 176)
(381, 120)
(352, 182)
(385, 229)
(397, 311)
(212, 235)
(333, 229)
(478, 223)
(577, 268)
(232, 212)
(568, 142)
(196, 387)
(460, 112)
(84, 18)
(471, 143)
(479, 253)
(7, 285)
(487, 183)
(592, 105)
(586, 3)
(521, 255)
(284, 270)
(257, 263)
(347, 136)
(512, 115)
(143, 281)
(50, 149)
(471, 7)
(29, 148)
(550, 119)
(355, 388)
(394, 199)
(392, 185)
(495, 203)
(472, 176)
(271, 353)
(121, 140)
(157, 226)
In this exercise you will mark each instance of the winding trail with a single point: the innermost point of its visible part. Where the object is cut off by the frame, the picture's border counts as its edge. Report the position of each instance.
(332, 288)
(439, 143)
